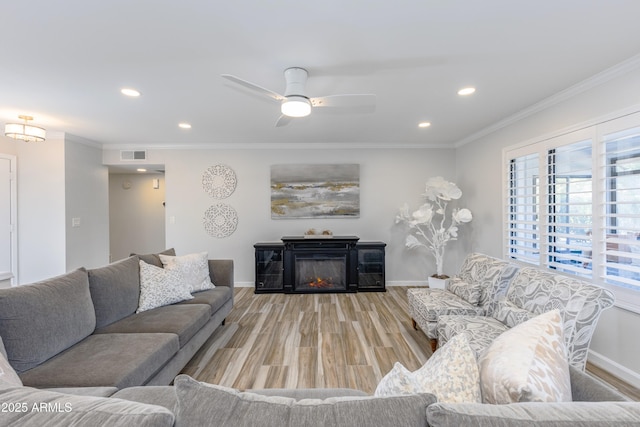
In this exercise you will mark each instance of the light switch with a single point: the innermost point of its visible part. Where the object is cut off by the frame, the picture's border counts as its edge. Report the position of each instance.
(75, 222)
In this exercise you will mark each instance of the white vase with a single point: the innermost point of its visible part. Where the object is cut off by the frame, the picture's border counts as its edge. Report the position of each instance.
(435, 283)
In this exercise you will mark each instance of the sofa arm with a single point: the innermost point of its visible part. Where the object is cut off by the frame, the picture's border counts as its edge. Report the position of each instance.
(592, 414)
(585, 388)
(221, 272)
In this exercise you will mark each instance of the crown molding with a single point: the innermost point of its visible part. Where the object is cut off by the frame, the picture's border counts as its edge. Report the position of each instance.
(279, 146)
(605, 76)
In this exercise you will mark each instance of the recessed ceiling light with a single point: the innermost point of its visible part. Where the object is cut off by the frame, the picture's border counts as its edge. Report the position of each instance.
(130, 92)
(466, 91)
(141, 170)
(184, 125)
(424, 124)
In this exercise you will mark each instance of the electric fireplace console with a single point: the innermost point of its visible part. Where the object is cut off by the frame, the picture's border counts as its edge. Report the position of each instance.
(312, 264)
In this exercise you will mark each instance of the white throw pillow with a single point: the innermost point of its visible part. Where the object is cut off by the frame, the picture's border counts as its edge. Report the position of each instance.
(527, 363)
(8, 376)
(451, 374)
(159, 287)
(193, 267)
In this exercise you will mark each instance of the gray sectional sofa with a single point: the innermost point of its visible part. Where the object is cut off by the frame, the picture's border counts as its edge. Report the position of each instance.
(81, 329)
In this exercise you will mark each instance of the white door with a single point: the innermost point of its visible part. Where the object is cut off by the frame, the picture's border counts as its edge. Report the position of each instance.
(8, 244)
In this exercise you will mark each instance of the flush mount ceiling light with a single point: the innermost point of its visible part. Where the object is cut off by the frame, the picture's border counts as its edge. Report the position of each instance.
(466, 91)
(184, 125)
(424, 124)
(296, 106)
(130, 92)
(25, 131)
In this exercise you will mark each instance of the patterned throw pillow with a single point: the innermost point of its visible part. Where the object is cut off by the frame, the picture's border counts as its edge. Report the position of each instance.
(470, 292)
(159, 287)
(193, 267)
(527, 363)
(451, 374)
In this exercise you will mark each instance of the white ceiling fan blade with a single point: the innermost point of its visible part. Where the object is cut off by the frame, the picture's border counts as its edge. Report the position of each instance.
(283, 121)
(254, 87)
(345, 101)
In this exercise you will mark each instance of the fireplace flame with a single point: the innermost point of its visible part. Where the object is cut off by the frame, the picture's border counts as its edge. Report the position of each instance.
(319, 282)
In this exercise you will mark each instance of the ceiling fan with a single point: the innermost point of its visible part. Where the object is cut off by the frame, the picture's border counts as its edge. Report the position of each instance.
(295, 102)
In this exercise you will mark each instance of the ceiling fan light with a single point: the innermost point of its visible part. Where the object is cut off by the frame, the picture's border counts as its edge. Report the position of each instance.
(25, 131)
(296, 106)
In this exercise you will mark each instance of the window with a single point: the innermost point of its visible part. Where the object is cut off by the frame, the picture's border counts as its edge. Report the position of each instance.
(622, 208)
(573, 205)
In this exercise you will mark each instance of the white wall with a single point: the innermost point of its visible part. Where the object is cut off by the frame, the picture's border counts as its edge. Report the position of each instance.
(55, 176)
(615, 345)
(136, 215)
(388, 178)
(41, 206)
(86, 199)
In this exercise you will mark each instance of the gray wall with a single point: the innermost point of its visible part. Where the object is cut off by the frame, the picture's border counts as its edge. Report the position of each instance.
(136, 215)
(86, 199)
(479, 164)
(388, 178)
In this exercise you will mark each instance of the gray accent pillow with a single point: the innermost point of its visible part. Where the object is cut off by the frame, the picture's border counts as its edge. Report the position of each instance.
(37, 408)
(207, 404)
(115, 290)
(40, 320)
(154, 259)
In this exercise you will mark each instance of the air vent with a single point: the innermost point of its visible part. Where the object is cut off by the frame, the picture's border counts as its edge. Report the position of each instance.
(129, 155)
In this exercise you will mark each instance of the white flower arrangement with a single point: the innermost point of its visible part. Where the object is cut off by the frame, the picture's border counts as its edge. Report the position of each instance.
(428, 225)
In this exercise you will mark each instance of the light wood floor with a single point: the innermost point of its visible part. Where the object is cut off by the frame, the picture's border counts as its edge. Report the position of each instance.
(320, 341)
(311, 341)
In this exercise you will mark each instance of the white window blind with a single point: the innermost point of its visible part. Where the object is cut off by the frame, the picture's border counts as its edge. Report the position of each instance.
(569, 205)
(621, 231)
(523, 208)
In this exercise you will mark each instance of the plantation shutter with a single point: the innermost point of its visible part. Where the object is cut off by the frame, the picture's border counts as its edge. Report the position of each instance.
(621, 229)
(523, 241)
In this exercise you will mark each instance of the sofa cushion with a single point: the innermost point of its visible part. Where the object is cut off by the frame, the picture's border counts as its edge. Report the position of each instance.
(117, 360)
(115, 290)
(183, 320)
(206, 404)
(40, 320)
(214, 298)
(433, 303)
(511, 315)
(587, 414)
(470, 292)
(480, 330)
(154, 395)
(160, 287)
(154, 259)
(527, 363)
(37, 408)
(451, 374)
(194, 269)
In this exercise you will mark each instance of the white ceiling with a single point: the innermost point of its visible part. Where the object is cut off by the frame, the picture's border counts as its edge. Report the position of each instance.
(64, 62)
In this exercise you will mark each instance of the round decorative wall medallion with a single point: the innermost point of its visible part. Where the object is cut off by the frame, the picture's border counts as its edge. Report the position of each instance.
(219, 181)
(220, 220)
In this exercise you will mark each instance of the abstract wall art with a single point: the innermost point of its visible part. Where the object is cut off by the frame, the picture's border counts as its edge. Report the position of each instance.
(315, 191)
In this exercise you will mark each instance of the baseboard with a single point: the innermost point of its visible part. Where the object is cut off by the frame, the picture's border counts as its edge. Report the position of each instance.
(614, 368)
(408, 283)
(244, 284)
